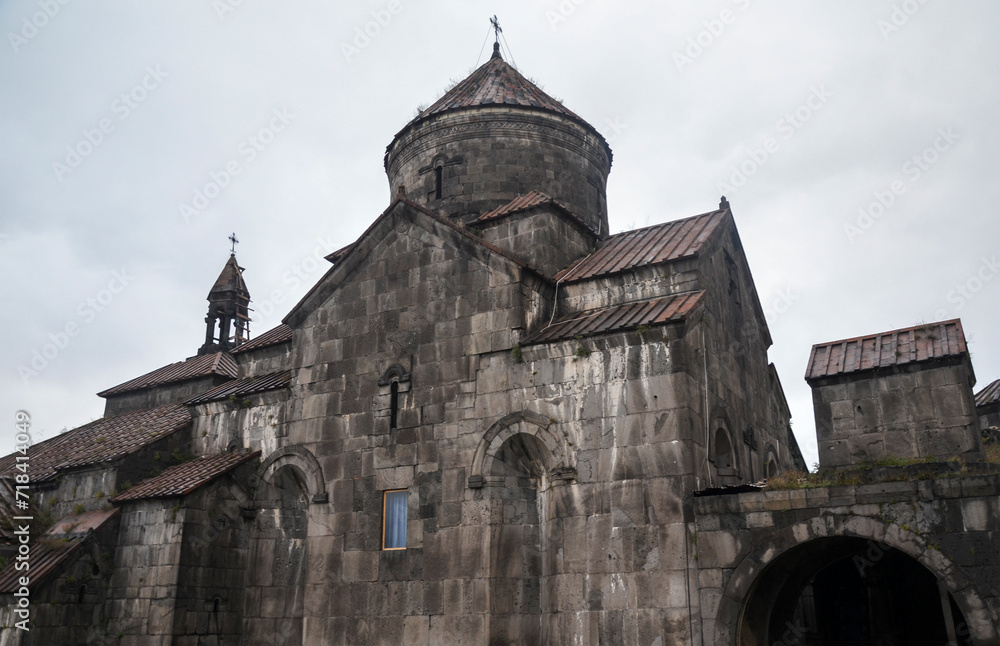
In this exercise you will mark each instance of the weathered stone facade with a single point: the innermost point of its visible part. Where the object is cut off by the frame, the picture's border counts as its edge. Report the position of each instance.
(486, 425)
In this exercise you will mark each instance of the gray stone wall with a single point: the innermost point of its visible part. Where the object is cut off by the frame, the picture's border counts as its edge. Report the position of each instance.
(160, 395)
(488, 156)
(143, 592)
(254, 422)
(262, 361)
(544, 240)
(924, 410)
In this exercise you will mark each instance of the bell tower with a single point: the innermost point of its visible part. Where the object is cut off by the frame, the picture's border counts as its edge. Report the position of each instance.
(227, 324)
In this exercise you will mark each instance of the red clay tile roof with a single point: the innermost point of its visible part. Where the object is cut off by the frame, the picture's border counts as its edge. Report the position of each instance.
(46, 556)
(888, 349)
(203, 365)
(989, 395)
(620, 317)
(496, 83)
(102, 440)
(529, 201)
(182, 479)
(243, 387)
(280, 334)
(648, 246)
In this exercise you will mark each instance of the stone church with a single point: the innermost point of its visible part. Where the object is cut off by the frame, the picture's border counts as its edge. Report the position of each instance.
(494, 422)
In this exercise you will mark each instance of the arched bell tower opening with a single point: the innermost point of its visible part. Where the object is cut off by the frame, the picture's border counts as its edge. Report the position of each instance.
(227, 324)
(850, 591)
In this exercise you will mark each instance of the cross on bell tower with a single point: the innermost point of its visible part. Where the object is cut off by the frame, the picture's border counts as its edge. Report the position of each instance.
(227, 324)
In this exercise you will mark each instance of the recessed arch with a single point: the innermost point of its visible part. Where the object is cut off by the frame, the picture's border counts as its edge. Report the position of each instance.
(544, 450)
(732, 629)
(302, 463)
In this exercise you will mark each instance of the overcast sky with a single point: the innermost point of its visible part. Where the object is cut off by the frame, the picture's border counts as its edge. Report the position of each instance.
(857, 143)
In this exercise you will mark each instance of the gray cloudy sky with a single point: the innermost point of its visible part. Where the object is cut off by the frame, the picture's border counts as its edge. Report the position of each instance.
(857, 142)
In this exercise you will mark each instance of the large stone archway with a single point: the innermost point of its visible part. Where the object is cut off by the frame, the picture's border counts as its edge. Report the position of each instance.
(763, 600)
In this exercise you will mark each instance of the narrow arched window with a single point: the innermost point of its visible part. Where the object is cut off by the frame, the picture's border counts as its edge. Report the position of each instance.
(393, 403)
(438, 177)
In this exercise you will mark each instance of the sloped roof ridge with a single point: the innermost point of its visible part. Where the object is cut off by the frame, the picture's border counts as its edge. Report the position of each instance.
(533, 199)
(280, 333)
(989, 395)
(651, 245)
(182, 479)
(218, 363)
(919, 343)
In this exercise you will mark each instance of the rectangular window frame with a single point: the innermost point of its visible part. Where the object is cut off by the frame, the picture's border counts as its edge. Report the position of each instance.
(386, 521)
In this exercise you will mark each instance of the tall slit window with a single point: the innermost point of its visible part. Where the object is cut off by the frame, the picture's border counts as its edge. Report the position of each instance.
(394, 520)
(393, 403)
(438, 176)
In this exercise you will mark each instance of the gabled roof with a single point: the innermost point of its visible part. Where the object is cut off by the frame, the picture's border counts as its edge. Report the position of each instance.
(276, 335)
(989, 395)
(244, 387)
(46, 556)
(415, 214)
(658, 311)
(532, 200)
(888, 349)
(217, 363)
(653, 245)
(99, 441)
(182, 479)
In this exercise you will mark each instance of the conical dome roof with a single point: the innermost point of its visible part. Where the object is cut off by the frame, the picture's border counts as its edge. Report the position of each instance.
(495, 136)
(496, 82)
(229, 280)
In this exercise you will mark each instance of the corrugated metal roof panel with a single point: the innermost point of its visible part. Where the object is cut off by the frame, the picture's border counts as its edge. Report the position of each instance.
(280, 334)
(184, 478)
(102, 440)
(620, 317)
(243, 387)
(648, 246)
(989, 395)
(888, 349)
(218, 363)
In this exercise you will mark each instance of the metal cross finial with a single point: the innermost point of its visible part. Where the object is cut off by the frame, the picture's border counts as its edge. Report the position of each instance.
(235, 242)
(496, 28)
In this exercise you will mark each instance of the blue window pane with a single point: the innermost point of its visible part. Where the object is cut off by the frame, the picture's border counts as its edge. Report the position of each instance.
(395, 520)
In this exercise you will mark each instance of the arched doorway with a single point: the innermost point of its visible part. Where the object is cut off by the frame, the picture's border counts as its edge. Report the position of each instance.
(848, 591)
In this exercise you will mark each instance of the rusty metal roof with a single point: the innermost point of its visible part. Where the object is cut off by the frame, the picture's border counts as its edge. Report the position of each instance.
(888, 349)
(243, 387)
(653, 245)
(530, 201)
(52, 549)
(496, 83)
(218, 363)
(182, 479)
(280, 334)
(989, 395)
(102, 440)
(659, 311)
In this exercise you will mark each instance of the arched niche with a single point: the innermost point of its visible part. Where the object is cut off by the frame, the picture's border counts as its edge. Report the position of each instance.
(302, 464)
(520, 441)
